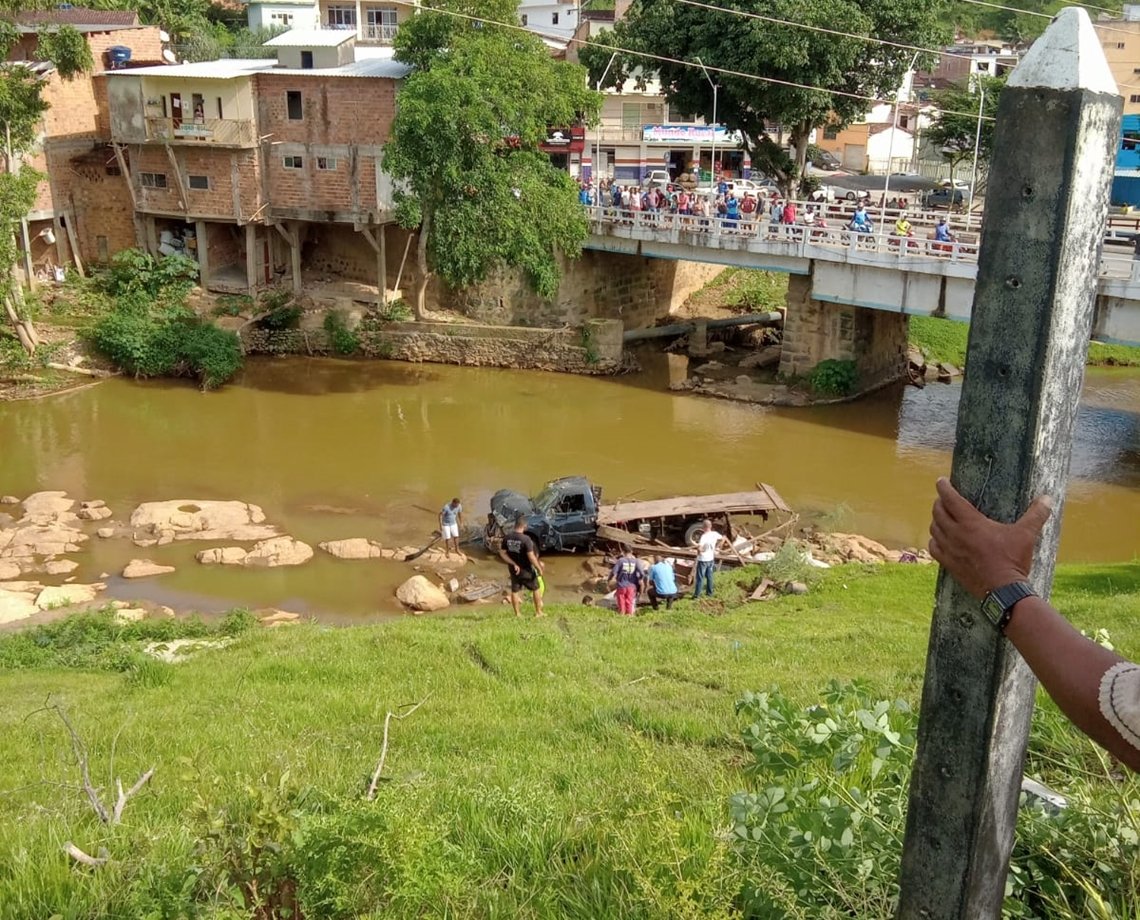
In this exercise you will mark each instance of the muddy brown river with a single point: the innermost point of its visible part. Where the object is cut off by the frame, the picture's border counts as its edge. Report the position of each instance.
(335, 449)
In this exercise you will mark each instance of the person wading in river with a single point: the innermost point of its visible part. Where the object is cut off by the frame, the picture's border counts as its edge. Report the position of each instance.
(450, 520)
(521, 556)
(707, 546)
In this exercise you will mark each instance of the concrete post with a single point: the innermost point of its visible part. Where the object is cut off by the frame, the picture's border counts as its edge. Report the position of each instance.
(699, 338)
(1033, 308)
(203, 252)
(251, 258)
(382, 264)
(295, 256)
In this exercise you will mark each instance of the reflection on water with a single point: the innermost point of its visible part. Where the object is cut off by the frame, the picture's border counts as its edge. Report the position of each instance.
(1106, 444)
(335, 449)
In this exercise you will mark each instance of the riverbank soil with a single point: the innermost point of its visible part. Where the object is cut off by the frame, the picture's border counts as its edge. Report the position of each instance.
(580, 766)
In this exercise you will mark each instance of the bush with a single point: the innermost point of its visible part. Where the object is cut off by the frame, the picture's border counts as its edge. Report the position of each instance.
(395, 311)
(168, 344)
(342, 339)
(833, 378)
(281, 317)
(822, 834)
(166, 280)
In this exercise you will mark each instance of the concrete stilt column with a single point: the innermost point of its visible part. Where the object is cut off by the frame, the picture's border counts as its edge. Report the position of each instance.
(203, 252)
(251, 258)
(815, 331)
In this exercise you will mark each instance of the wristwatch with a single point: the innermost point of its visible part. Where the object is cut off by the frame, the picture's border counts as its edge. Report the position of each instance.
(999, 603)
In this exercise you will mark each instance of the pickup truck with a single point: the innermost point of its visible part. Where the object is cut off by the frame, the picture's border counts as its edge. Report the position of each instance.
(568, 515)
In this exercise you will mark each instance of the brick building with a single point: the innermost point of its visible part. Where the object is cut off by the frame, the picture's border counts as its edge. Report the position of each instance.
(78, 209)
(263, 169)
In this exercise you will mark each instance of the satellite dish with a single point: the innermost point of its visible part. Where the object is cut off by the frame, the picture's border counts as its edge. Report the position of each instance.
(168, 56)
(163, 35)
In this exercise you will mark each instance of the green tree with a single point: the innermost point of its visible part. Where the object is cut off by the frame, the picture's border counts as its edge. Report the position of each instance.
(783, 54)
(21, 109)
(465, 149)
(955, 127)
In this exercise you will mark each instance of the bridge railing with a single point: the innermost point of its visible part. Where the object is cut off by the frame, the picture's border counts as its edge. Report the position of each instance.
(801, 238)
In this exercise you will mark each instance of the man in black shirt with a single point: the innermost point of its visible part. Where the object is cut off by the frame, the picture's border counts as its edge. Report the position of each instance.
(521, 556)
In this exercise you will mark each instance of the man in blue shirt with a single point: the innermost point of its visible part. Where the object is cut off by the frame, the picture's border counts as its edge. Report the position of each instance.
(662, 583)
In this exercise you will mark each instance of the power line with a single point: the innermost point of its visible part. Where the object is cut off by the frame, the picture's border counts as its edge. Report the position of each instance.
(663, 59)
(825, 31)
(1104, 27)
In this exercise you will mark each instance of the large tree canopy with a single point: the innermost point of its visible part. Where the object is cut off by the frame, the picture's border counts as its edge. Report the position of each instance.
(955, 127)
(781, 53)
(465, 149)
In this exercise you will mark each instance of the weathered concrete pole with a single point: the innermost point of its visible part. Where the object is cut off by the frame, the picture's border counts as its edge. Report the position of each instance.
(1057, 131)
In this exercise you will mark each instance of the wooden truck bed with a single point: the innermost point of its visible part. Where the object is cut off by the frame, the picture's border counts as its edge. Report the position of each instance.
(764, 499)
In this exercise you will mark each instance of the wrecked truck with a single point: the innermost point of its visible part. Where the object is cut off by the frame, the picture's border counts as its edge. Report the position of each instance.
(568, 515)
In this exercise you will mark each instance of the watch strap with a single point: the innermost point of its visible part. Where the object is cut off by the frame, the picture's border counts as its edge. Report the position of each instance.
(999, 603)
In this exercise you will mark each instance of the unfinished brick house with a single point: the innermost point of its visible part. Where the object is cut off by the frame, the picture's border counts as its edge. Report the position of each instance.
(78, 215)
(263, 170)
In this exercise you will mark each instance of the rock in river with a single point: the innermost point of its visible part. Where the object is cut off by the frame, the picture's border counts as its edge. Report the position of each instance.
(201, 520)
(279, 551)
(353, 548)
(421, 595)
(144, 568)
(222, 555)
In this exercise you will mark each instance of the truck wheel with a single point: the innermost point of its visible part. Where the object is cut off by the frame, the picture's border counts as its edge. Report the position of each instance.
(693, 533)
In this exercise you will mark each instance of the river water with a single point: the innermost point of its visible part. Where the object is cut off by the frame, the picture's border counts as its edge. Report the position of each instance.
(335, 449)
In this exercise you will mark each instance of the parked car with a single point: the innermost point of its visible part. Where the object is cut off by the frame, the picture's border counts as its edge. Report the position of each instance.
(944, 198)
(824, 159)
(850, 194)
(658, 178)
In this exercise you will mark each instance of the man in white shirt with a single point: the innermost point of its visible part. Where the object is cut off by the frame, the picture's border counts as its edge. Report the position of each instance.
(707, 546)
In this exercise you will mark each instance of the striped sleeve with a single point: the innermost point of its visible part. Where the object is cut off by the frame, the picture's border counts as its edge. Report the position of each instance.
(1120, 700)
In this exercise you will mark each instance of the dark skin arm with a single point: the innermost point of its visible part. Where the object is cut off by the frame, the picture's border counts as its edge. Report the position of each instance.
(982, 555)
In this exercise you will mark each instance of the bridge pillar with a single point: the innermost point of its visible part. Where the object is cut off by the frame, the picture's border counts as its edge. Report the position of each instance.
(815, 331)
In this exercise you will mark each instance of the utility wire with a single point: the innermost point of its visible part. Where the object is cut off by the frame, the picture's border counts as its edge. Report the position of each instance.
(1104, 27)
(663, 59)
(825, 31)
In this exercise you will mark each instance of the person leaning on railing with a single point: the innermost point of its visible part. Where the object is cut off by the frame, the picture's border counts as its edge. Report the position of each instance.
(1097, 689)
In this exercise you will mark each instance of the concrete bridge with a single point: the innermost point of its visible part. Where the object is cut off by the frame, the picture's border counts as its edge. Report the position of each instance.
(850, 294)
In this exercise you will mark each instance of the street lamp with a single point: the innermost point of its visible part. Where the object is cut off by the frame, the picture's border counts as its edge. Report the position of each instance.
(598, 142)
(974, 173)
(712, 165)
(891, 143)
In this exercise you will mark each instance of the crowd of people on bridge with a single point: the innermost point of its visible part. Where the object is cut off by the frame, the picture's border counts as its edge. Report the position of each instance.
(747, 212)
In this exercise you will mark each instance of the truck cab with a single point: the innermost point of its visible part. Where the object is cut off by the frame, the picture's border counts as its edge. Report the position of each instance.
(563, 516)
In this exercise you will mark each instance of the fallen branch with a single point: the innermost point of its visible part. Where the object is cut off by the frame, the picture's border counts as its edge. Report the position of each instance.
(115, 815)
(384, 747)
(86, 859)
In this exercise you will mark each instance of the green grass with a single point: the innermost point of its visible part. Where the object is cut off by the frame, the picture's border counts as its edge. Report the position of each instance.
(574, 767)
(745, 290)
(944, 341)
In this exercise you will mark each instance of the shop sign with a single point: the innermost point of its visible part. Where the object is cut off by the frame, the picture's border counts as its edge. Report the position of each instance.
(688, 134)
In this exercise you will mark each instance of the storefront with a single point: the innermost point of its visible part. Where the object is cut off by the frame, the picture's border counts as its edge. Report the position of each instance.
(564, 146)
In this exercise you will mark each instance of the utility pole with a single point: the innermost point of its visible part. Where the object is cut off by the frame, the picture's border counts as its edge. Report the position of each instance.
(977, 146)
(712, 165)
(598, 142)
(1029, 330)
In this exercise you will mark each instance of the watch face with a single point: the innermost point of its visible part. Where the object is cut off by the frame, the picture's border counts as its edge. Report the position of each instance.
(993, 609)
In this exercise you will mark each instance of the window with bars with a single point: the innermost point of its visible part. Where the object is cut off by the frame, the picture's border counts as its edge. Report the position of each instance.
(152, 180)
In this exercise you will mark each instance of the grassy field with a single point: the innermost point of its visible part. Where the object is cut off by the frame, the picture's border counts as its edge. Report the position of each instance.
(578, 766)
(945, 341)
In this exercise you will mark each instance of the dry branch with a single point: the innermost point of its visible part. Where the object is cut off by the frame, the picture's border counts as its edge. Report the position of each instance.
(384, 746)
(86, 859)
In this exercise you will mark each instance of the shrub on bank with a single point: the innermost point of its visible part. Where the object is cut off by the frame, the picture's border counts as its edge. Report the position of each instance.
(150, 332)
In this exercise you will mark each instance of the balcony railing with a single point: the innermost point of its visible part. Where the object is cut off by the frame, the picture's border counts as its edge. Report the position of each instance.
(616, 131)
(383, 33)
(223, 132)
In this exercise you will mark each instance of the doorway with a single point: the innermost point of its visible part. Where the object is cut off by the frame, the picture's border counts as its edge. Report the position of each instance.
(176, 110)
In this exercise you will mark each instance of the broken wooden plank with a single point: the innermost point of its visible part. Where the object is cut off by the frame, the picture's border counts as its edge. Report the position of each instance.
(764, 499)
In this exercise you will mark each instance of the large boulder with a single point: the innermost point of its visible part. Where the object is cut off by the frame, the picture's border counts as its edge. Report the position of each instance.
(18, 605)
(201, 520)
(9, 570)
(279, 551)
(66, 595)
(353, 548)
(48, 503)
(144, 568)
(222, 555)
(421, 595)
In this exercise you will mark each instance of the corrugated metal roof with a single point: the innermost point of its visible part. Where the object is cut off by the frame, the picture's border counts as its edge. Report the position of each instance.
(312, 38)
(225, 69)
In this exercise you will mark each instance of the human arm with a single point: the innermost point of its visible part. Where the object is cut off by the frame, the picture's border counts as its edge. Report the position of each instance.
(509, 561)
(535, 562)
(982, 555)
